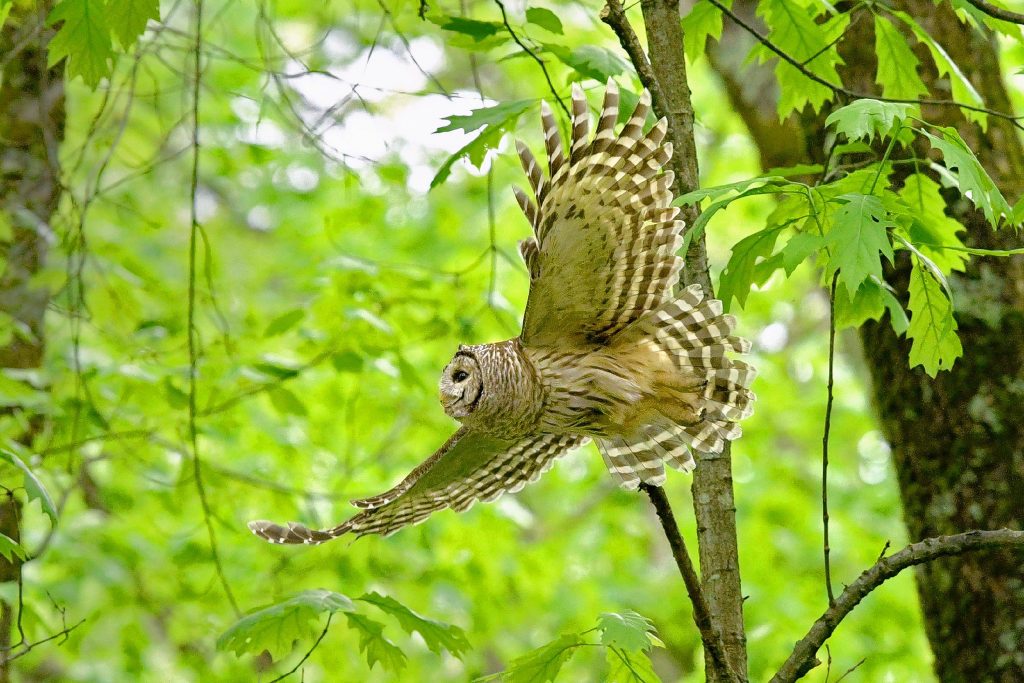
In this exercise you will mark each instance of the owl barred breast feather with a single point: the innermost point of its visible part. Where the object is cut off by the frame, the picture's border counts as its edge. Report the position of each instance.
(609, 350)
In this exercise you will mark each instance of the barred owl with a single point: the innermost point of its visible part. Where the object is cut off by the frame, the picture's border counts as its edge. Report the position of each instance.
(609, 350)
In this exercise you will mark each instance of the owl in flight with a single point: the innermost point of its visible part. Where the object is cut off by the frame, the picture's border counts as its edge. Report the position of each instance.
(609, 350)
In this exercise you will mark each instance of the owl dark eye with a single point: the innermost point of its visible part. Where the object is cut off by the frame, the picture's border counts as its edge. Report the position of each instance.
(460, 375)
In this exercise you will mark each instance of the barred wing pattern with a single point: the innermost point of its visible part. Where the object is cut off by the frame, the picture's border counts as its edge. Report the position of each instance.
(605, 236)
(471, 466)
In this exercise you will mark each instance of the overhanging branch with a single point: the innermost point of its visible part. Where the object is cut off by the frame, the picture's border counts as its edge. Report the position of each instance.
(802, 658)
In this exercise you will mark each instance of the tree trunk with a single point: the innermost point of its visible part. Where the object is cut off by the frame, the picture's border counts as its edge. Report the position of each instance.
(31, 127)
(958, 440)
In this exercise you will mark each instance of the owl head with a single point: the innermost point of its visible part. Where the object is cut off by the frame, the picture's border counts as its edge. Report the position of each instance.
(461, 385)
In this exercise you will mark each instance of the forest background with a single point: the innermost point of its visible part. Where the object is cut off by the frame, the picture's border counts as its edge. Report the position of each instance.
(231, 284)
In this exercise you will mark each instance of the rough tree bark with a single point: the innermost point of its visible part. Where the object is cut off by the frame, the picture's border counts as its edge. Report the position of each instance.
(663, 72)
(31, 128)
(958, 440)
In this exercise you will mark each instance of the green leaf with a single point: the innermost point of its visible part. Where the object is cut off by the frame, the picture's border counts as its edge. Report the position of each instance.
(629, 667)
(5, 10)
(962, 89)
(33, 487)
(276, 628)
(590, 61)
(347, 361)
(543, 664)
(872, 299)
(934, 342)
(861, 119)
(83, 38)
(374, 646)
(857, 239)
(284, 322)
(704, 20)
(285, 402)
(496, 115)
(544, 18)
(10, 548)
(794, 30)
(495, 121)
(436, 634)
(626, 630)
(897, 64)
(739, 274)
(740, 186)
(477, 30)
(128, 18)
(798, 248)
(929, 228)
(974, 182)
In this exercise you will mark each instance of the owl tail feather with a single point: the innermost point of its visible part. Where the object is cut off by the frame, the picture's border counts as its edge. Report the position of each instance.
(295, 533)
(696, 335)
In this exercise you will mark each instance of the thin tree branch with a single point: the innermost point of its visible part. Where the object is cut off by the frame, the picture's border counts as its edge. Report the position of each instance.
(846, 92)
(308, 652)
(802, 660)
(193, 352)
(540, 62)
(824, 437)
(997, 12)
(709, 635)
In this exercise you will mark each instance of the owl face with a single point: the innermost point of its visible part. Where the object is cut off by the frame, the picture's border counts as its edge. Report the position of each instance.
(461, 384)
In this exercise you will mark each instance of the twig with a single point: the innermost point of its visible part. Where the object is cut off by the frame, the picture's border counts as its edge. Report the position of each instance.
(615, 16)
(308, 652)
(540, 62)
(193, 358)
(709, 635)
(852, 669)
(824, 437)
(801, 660)
(846, 92)
(997, 12)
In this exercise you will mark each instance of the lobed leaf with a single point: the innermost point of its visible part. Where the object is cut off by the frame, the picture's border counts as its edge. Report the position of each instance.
(128, 18)
(277, 627)
(83, 37)
(858, 239)
(862, 119)
(973, 181)
(627, 631)
(33, 487)
(897, 64)
(10, 549)
(629, 667)
(436, 634)
(932, 331)
(374, 646)
(703, 21)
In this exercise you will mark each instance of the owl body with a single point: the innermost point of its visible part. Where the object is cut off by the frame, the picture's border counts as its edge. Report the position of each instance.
(611, 350)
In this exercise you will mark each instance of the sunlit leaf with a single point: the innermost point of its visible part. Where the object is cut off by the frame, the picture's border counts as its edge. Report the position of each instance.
(284, 322)
(935, 344)
(739, 274)
(591, 61)
(436, 634)
(629, 667)
(33, 487)
(858, 239)
(277, 627)
(973, 180)
(83, 37)
(863, 119)
(545, 18)
(10, 548)
(703, 21)
(897, 64)
(374, 645)
(626, 630)
(543, 664)
(128, 18)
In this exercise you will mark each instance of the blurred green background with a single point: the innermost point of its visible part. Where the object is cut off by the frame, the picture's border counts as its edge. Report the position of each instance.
(332, 288)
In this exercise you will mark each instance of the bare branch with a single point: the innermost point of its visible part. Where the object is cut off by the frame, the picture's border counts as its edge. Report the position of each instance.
(540, 62)
(997, 12)
(824, 437)
(709, 635)
(802, 658)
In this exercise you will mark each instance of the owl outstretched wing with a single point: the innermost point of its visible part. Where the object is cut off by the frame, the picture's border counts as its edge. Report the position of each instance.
(471, 466)
(605, 236)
